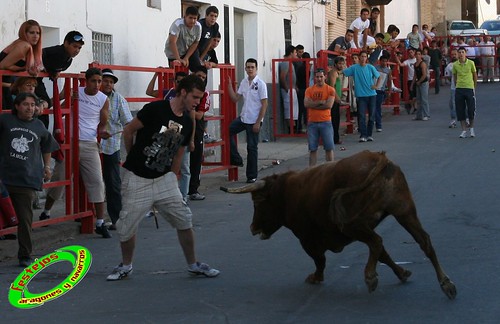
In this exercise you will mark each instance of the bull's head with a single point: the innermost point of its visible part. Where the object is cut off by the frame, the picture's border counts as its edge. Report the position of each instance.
(266, 221)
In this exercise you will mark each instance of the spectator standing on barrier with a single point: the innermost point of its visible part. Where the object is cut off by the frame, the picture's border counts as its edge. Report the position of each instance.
(55, 60)
(363, 75)
(361, 28)
(372, 29)
(334, 79)
(487, 51)
(161, 129)
(253, 90)
(410, 64)
(209, 30)
(23, 54)
(119, 116)
(391, 36)
(93, 113)
(289, 85)
(448, 73)
(319, 100)
(196, 156)
(435, 64)
(414, 38)
(25, 144)
(341, 44)
(464, 72)
(183, 38)
(210, 60)
(385, 82)
(421, 85)
(302, 83)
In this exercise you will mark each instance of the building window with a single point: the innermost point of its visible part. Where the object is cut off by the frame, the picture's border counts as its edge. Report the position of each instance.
(288, 32)
(156, 4)
(102, 48)
(339, 8)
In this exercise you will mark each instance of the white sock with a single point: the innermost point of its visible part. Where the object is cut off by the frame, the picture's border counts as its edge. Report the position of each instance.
(99, 222)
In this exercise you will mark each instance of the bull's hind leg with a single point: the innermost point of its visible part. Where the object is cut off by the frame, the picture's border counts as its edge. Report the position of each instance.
(410, 222)
(401, 273)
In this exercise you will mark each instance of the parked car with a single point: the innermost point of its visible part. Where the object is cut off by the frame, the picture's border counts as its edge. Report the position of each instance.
(492, 26)
(464, 28)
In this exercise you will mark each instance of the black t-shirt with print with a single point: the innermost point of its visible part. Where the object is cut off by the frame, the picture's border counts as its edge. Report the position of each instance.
(207, 33)
(158, 141)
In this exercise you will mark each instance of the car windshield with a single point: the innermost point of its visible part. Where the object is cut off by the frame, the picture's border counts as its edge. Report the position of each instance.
(491, 25)
(462, 25)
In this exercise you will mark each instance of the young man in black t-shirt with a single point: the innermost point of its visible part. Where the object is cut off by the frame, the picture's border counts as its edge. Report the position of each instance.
(162, 130)
(209, 30)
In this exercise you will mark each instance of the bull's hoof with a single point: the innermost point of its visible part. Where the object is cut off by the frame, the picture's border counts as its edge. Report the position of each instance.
(405, 275)
(449, 288)
(371, 283)
(314, 279)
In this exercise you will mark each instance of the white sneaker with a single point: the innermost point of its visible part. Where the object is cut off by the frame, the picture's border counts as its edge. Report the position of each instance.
(463, 134)
(396, 89)
(119, 272)
(472, 134)
(203, 269)
(453, 124)
(425, 118)
(369, 139)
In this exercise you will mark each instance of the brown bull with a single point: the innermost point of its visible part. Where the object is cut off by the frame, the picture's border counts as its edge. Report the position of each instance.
(329, 206)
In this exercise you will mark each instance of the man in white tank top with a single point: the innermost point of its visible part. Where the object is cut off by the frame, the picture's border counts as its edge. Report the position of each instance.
(93, 111)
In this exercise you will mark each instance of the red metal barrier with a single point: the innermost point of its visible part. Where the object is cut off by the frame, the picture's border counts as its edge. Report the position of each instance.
(166, 80)
(75, 204)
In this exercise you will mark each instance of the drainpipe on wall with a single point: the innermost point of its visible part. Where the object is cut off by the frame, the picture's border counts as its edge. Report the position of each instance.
(26, 10)
(313, 29)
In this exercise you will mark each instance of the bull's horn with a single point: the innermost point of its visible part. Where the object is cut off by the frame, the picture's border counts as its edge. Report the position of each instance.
(248, 188)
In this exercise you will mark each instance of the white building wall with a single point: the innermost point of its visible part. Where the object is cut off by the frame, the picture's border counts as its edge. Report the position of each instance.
(139, 32)
(411, 16)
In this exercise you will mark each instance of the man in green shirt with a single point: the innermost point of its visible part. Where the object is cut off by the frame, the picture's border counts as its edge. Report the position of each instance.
(465, 76)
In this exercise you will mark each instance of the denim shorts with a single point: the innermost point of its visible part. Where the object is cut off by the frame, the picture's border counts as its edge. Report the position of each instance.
(315, 131)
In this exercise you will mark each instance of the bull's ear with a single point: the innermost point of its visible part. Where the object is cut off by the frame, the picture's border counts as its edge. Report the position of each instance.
(248, 188)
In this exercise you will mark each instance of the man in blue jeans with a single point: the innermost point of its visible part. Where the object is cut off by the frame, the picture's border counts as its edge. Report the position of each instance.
(363, 75)
(254, 93)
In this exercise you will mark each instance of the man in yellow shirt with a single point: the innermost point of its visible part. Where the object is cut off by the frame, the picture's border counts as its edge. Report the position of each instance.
(318, 100)
(465, 78)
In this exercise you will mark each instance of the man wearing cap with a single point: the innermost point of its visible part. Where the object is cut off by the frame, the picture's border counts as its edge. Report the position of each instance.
(119, 116)
(57, 59)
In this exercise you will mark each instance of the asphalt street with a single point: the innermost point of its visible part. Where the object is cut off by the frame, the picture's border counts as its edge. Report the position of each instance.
(455, 184)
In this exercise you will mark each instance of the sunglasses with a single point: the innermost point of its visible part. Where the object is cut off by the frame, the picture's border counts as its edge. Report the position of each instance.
(78, 38)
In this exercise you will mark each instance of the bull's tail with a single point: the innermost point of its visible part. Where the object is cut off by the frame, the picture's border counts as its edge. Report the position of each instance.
(337, 209)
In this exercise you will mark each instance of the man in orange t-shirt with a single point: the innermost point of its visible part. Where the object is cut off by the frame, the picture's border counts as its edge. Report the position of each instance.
(318, 101)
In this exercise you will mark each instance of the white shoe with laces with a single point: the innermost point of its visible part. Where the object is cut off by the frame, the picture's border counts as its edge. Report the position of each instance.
(463, 134)
(203, 269)
(472, 133)
(119, 272)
